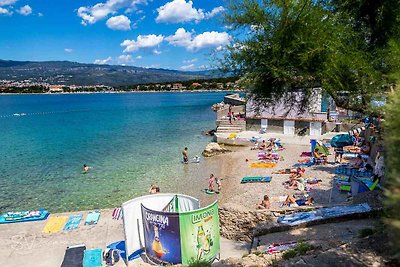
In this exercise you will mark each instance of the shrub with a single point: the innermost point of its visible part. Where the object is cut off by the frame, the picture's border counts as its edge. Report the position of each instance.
(392, 173)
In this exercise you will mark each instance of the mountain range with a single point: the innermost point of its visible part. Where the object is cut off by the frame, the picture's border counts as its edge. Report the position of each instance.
(74, 73)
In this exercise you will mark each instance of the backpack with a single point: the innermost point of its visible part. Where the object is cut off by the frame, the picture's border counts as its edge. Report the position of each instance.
(111, 256)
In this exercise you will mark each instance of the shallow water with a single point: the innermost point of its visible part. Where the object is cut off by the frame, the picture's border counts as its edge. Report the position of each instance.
(129, 140)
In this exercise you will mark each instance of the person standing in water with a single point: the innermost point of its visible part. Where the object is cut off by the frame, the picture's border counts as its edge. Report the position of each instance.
(211, 183)
(185, 155)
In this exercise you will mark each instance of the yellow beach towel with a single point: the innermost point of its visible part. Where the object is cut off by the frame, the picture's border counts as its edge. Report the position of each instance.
(232, 136)
(262, 165)
(55, 224)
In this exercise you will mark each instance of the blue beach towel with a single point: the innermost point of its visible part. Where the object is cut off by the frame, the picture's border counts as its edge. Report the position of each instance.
(92, 258)
(73, 222)
(92, 218)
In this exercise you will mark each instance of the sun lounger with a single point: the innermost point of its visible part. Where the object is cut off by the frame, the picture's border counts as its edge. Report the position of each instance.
(74, 256)
(55, 224)
(92, 258)
(256, 179)
(92, 218)
(24, 216)
(73, 222)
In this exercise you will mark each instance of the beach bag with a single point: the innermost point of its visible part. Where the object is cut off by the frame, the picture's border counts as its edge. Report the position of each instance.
(111, 256)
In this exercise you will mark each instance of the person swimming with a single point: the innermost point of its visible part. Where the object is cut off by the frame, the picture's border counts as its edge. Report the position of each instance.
(86, 168)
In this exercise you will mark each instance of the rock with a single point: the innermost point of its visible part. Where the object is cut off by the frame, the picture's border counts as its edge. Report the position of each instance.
(213, 149)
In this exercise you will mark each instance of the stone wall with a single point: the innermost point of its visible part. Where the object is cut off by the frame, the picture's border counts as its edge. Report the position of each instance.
(239, 224)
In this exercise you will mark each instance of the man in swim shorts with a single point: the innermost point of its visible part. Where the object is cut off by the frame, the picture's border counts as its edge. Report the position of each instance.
(185, 155)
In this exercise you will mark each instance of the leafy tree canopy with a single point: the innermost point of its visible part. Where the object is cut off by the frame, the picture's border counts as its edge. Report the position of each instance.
(283, 46)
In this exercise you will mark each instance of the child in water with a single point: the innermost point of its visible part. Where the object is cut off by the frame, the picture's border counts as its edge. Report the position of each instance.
(218, 183)
(211, 183)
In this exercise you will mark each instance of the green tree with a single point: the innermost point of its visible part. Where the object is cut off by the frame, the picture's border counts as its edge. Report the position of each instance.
(392, 141)
(283, 46)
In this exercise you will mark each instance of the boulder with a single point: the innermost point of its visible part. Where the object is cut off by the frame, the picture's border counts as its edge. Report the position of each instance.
(213, 149)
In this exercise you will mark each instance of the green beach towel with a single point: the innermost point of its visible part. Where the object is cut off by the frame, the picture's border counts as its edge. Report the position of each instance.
(92, 258)
(256, 179)
(73, 222)
(92, 218)
(345, 188)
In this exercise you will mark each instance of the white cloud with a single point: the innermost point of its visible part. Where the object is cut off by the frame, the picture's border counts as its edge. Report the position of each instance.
(103, 61)
(7, 2)
(40, 14)
(4, 11)
(204, 40)
(187, 67)
(69, 50)
(121, 23)
(215, 12)
(125, 59)
(156, 52)
(180, 38)
(190, 61)
(178, 11)
(142, 41)
(99, 11)
(139, 57)
(25, 10)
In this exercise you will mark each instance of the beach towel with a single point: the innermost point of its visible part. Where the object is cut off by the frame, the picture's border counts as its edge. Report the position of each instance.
(301, 165)
(262, 165)
(232, 136)
(117, 214)
(92, 258)
(278, 198)
(279, 247)
(24, 216)
(256, 179)
(73, 222)
(74, 256)
(55, 224)
(92, 218)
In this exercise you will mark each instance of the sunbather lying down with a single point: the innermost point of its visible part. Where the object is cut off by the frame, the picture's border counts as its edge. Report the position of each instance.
(292, 201)
(297, 170)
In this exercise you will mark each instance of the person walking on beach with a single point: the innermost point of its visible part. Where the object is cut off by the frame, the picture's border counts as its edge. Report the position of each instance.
(185, 155)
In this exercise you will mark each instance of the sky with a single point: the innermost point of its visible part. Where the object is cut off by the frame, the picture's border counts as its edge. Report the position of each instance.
(172, 34)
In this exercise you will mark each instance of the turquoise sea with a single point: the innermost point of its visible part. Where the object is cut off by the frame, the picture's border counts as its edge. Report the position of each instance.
(130, 140)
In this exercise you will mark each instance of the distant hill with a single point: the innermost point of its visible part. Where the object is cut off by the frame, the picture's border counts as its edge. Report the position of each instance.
(69, 73)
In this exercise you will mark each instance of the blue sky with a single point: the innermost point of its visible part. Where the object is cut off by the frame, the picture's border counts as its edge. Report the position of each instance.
(173, 34)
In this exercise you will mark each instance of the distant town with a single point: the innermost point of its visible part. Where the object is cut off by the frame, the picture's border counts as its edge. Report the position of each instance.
(29, 86)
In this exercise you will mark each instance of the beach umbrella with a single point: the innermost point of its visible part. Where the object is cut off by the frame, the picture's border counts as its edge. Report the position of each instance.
(342, 140)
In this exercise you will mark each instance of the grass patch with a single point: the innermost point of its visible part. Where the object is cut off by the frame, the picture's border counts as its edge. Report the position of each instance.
(365, 232)
(301, 249)
(199, 264)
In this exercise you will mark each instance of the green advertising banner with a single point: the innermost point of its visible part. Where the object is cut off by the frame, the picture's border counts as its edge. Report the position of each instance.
(199, 231)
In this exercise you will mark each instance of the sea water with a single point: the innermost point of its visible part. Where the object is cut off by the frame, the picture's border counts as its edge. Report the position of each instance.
(130, 140)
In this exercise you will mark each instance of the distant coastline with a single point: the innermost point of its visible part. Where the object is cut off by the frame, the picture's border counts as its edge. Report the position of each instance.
(128, 92)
